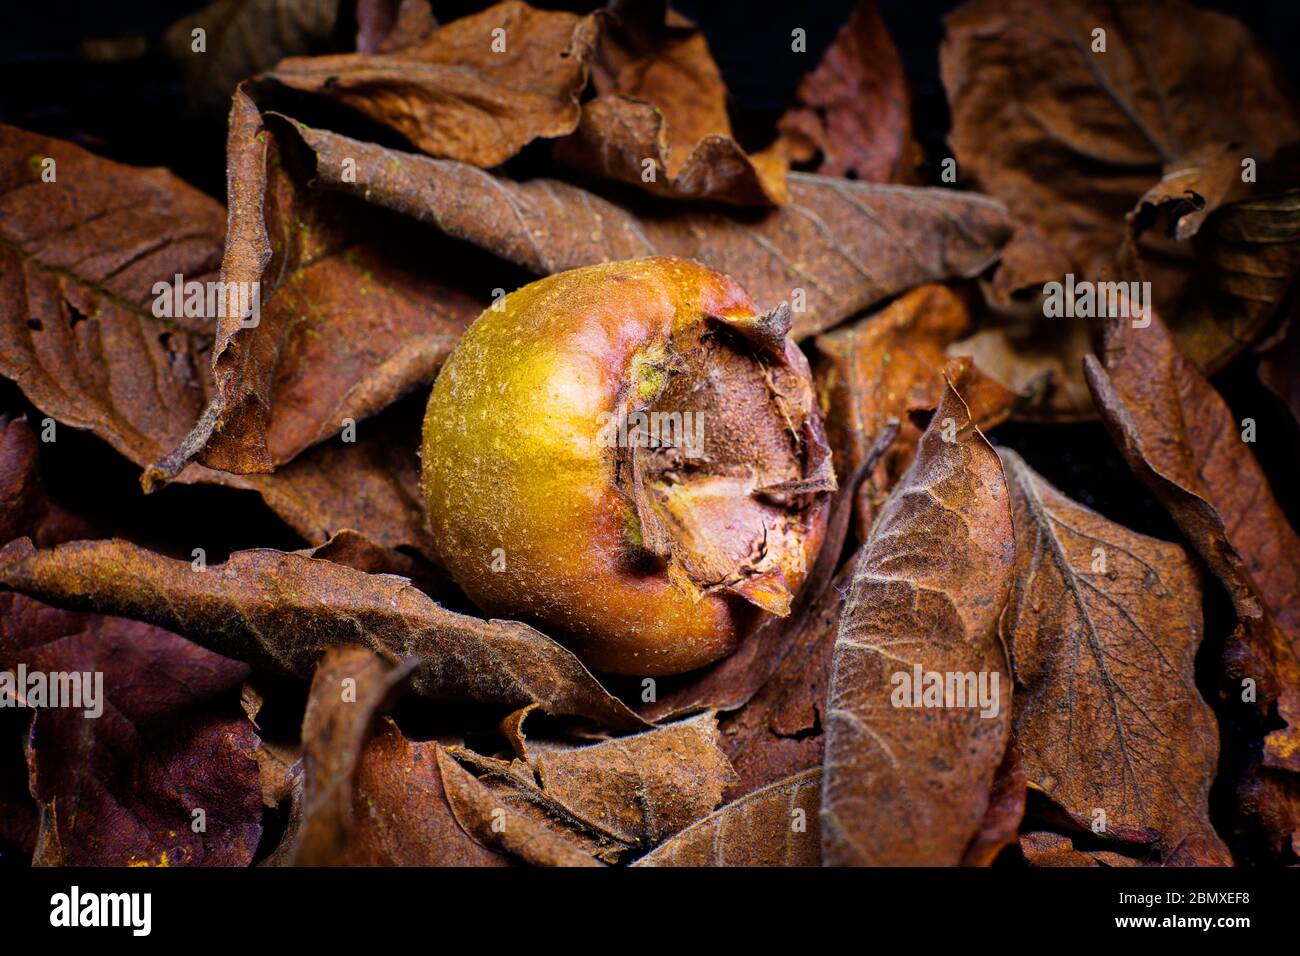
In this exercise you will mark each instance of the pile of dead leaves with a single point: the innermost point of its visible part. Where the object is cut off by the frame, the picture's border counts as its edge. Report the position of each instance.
(343, 703)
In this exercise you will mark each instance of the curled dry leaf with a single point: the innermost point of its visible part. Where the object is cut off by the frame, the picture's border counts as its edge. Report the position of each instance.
(513, 786)
(478, 89)
(78, 265)
(775, 826)
(281, 611)
(838, 247)
(350, 687)
(661, 100)
(1103, 627)
(852, 114)
(243, 37)
(645, 787)
(885, 367)
(519, 829)
(343, 324)
(910, 784)
(1075, 139)
(1179, 436)
(1247, 257)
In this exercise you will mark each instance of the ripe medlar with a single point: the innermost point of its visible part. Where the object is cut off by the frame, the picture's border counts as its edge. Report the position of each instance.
(630, 456)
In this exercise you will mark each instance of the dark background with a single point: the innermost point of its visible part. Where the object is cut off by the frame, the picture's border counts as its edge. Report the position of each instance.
(134, 110)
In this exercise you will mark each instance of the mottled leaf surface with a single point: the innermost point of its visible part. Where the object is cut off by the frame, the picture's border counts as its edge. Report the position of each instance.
(486, 816)
(644, 787)
(1103, 626)
(281, 611)
(346, 322)
(845, 245)
(911, 784)
(477, 90)
(774, 826)
(1179, 436)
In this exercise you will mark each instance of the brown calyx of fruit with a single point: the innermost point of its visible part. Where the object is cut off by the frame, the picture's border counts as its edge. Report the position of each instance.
(727, 461)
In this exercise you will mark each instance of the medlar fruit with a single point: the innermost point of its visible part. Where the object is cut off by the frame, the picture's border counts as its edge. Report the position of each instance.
(630, 456)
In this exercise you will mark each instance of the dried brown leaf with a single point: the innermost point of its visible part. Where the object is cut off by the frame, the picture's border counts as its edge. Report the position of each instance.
(911, 784)
(1103, 626)
(400, 809)
(348, 691)
(165, 739)
(125, 786)
(661, 98)
(485, 815)
(345, 324)
(79, 258)
(885, 367)
(477, 90)
(1074, 139)
(853, 113)
(780, 731)
(1179, 436)
(645, 787)
(514, 787)
(844, 246)
(281, 611)
(775, 826)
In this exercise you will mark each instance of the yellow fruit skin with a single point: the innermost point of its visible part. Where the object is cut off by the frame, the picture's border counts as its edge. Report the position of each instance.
(511, 461)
